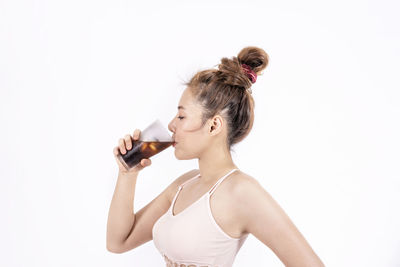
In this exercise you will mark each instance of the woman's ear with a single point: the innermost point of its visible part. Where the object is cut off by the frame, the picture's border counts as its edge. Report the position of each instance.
(216, 124)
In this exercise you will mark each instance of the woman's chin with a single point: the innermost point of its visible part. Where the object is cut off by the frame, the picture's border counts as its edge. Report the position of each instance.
(181, 156)
(177, 155)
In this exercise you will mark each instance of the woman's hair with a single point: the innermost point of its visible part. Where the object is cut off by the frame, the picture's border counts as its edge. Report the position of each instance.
(227, 91)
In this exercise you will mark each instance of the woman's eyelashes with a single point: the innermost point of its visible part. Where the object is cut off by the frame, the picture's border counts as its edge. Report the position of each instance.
(180, 117)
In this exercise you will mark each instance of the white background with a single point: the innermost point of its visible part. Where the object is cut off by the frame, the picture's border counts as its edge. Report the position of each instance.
(75, 76)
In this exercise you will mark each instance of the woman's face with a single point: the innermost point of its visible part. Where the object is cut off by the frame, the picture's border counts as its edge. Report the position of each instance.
(191, 139)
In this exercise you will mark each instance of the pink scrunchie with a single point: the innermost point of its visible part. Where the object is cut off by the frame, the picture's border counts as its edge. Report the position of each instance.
(250, 73)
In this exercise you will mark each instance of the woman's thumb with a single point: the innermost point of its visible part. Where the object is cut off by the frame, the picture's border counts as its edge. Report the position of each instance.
(144, 163)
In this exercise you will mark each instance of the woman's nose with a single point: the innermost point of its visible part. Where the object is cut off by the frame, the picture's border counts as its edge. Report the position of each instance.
(171, 127)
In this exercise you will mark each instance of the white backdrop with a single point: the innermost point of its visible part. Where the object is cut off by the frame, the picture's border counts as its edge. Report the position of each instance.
(75, 76)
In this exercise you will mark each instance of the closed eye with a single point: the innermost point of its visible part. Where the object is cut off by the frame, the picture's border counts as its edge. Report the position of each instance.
(180, 117)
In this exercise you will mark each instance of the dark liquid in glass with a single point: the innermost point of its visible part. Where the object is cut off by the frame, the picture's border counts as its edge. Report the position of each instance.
(143, 150)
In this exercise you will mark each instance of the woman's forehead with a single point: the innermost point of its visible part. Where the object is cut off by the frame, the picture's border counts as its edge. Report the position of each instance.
(188, 103)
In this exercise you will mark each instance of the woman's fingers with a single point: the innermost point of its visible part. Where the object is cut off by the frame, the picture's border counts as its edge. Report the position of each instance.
(125, 144)
(145, 162)
(128, 142)
(136, 134)
(122, 146)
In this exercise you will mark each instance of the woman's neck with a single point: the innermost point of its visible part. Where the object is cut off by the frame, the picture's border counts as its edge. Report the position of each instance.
(214, 164)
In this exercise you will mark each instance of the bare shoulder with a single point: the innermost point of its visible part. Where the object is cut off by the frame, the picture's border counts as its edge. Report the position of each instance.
(259, 214)
(242, 182)
(246, 195)
(247, 190)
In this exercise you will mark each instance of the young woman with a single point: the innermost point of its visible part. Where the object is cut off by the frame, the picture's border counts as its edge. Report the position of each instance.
(205, 215)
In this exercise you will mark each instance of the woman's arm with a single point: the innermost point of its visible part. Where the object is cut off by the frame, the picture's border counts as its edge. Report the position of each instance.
(121, 216)
(262, 216)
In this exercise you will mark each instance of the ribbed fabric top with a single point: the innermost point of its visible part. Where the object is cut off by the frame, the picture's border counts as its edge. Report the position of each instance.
(192, 237)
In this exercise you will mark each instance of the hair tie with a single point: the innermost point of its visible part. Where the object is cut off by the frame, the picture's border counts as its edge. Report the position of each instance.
(250, 73)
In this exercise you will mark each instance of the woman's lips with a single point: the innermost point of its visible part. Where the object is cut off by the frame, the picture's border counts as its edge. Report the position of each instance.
(174, 144)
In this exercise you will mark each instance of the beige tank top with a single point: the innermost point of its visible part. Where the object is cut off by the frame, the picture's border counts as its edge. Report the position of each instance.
(193, 237)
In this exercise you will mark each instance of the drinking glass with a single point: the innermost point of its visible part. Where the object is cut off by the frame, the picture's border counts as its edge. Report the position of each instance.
(154, 139)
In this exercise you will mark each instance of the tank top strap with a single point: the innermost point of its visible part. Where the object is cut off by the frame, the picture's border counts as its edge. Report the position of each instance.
(180, 188)
(188, 181)
(220, 181)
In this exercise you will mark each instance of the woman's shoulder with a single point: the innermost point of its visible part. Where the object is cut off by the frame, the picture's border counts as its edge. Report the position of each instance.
(248, 198)
(243, 182)
(239, 188)
(244, 188)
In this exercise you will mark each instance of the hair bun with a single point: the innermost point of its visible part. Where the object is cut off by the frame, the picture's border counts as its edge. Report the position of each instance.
(242, 71)
(254, 57)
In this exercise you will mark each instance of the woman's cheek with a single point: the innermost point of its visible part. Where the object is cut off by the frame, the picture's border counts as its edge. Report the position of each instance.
(191, 127)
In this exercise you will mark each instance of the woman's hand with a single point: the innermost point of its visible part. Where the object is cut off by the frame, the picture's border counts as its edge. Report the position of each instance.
(124, 145)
